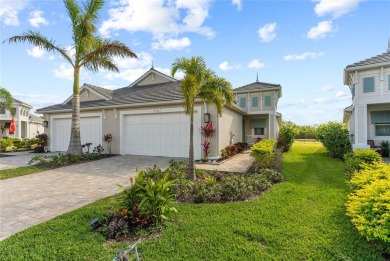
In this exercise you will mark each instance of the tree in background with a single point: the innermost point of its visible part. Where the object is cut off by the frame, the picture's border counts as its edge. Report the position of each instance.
(90, 52)
(286, 136)
(335, 137)
(6, 100)
(200, 83)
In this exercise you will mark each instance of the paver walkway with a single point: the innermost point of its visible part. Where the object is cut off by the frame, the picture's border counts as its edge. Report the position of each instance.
(29, 200)
(239, 163)
(17, 159)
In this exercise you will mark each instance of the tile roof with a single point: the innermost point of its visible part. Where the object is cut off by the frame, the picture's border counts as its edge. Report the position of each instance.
(129, 95)
(373, 61)
(257, 86)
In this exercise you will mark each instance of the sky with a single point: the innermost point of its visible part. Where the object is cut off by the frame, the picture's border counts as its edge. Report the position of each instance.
(302, 45)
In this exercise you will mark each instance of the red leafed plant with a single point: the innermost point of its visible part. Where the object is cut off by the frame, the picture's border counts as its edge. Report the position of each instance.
(206, 148)
(208, 130)
(108, 138)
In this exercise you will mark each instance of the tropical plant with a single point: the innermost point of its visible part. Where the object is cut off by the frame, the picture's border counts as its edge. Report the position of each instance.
(108, 138)
(6, 100)
(200, 83)
(385, 148)
(90, 52)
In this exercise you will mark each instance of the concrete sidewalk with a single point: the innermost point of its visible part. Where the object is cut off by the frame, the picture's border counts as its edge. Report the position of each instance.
(239, 163)
(10, 160)
(29, 200)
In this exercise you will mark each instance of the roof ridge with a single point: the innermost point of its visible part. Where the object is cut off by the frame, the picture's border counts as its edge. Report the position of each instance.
(371, 60)
(263, 83)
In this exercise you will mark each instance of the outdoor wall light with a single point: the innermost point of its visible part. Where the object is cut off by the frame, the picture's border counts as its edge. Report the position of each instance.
(207, 117)
(45, 124)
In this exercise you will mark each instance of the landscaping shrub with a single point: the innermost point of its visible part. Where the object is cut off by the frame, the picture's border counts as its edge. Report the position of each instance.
(286, 137)
(233, 149)
(263, 148)
(385, 148)
(354, 160)
(335, 138)
(369, 204)
(265, 157)
(6, 143)
(54, 161)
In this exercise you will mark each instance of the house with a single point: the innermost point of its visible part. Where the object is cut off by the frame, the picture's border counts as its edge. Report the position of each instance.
(27, 125)
(368, 118)
(147, 118)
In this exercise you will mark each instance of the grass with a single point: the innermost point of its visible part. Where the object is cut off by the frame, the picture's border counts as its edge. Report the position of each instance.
(21, 171)
(300, 219)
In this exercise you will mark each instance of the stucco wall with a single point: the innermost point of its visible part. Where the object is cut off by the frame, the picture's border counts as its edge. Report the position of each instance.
(229, 123)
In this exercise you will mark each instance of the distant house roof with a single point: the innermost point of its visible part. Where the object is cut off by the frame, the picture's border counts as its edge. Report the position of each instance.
(105, 92)
(257, 86)
(21, 103)
(34, 118)
(376, 61)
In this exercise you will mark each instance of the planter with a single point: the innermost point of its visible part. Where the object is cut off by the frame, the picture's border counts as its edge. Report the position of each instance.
(39, 150)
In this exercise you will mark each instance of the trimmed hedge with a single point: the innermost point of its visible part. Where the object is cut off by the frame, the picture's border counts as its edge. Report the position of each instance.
(354, 160)
(369, 203)
(263, 148)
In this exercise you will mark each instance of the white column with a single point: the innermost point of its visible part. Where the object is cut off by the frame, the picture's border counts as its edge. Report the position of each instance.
(360, 127)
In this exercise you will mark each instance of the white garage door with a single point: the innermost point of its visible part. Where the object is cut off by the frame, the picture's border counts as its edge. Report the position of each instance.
(90, 130)
(164, 134)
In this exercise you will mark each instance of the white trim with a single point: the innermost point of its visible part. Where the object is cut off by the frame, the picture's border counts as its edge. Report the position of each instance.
(116, 113)
(152, 111)
(69, 116)
(104, 113)
(84, 87)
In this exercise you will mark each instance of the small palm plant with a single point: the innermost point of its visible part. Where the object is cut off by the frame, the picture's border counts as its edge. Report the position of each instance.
(385, 148)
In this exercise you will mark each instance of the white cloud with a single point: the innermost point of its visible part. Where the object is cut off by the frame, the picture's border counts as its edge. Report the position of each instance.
(136, 15)
(36, 18)
(36, 52)
(267, 32)
(323, 100)
(65, 71)
(256, 64)
(171, 44)
(321, 30)
(336, 8)
(144, 60)
(9, 11)
(342, 96)
(238, 4)
(304, 56)
(38, 100)
(225, 66)
(327, 88)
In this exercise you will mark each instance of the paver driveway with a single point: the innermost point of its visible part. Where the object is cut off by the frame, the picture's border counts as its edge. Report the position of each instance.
(17, 159)
(29, 200)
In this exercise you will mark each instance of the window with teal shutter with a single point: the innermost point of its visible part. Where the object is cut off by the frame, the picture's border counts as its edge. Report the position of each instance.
(267, 100)
(255, 101)
(368, 84)
(243, 102)
(388, 81)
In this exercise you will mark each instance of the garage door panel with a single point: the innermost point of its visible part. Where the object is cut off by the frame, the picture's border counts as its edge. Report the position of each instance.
(165, 134)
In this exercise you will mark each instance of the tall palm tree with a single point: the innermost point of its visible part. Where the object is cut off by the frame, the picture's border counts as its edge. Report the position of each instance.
(200, 83)
(91, 52)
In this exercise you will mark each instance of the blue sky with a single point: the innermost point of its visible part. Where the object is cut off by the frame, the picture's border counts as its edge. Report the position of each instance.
(302, 45)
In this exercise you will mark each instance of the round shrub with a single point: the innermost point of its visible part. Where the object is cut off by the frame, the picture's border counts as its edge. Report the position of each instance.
(273, 175)
(354, 160)
(286, 137)
(335, 137)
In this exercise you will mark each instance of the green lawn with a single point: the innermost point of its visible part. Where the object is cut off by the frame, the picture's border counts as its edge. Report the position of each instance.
(300, 219)
(16, 172)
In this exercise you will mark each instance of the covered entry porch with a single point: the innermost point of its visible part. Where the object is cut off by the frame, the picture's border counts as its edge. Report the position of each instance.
(261, 126)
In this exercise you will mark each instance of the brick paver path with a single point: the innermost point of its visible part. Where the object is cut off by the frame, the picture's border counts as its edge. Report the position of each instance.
(239, 163)
(29, 200)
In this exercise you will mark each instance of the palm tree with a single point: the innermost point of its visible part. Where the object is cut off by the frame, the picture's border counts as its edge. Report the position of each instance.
(200, 83)
(6, 100)
(91, 52)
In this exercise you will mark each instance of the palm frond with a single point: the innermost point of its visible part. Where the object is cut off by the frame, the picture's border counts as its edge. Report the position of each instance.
(41, 41)
(212, 96)
(195, 66)
(222, 88)
(103, 51)
(100, 63)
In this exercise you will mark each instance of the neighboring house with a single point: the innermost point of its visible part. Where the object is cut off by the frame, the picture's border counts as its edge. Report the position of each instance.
(27, 125)
(147, 118)
(368, 118)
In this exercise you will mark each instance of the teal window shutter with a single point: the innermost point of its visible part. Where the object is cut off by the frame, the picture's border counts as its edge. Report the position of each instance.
(267, 100)
(243, 102)
(380, 117)
(368, 84)
(255, 101)
(388, 81)
(258, 123)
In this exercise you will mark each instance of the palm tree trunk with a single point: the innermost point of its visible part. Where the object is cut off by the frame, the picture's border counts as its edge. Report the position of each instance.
(191, 167)
(75, 140)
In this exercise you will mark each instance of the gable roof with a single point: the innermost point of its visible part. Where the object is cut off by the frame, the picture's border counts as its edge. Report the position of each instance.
(16, 101)
(162, 92)
(375, 61)
(151, 71)
(103, 93)
(34, 118)
(258, 86)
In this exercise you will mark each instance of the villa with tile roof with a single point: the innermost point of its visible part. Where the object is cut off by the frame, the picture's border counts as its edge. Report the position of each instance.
(368, 118)
(147, 118)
